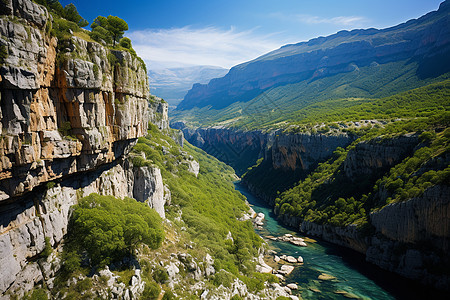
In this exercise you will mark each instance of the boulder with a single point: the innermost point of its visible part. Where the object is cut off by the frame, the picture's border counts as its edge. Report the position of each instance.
(285, 269)
(291, 259)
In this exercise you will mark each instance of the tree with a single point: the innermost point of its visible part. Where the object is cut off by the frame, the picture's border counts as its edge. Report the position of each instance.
(70, 13)
(112, 26)
(109, 228)
(100, 21)
(125, 42)
(101, 34)
(117, 27)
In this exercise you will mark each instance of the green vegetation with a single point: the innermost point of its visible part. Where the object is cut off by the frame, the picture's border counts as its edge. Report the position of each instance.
(69, 12)
(48, 248)
(3, 54)
(365, 92)
(109, 29)
(328, 196)
(108, 228)
(206, 213)
(37, 294)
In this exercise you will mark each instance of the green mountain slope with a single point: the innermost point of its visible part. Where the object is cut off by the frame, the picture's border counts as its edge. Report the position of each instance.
(366, 64)
(292, 103)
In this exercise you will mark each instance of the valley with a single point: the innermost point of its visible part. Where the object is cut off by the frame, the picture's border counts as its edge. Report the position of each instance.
(320, 170)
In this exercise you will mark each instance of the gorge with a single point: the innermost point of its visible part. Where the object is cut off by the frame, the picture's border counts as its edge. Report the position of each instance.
(346, 138)
(314, 130)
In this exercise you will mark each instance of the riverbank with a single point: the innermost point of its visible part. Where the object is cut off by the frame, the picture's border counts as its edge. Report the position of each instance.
(353, 276)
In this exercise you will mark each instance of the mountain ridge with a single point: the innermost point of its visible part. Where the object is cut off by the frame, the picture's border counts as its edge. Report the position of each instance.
(425, 40)
(172, 84)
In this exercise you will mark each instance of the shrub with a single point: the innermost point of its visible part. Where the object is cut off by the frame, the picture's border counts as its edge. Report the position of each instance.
(160, 275)
(48, 248)
(168, 295)
(151, 291)
(109, 228)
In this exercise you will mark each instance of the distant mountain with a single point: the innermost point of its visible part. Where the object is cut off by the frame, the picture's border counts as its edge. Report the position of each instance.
(172, 84)
(368, 63)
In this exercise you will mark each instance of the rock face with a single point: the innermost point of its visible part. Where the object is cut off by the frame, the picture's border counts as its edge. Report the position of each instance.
(286, 152)
(413, 237)
(159, 113)
(68, 118)
(424, 39)
(148, 187)
(59, 114)
(371, 157)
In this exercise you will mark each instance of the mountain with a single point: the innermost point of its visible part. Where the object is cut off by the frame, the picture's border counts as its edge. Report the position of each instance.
(359, 63)
(172, 84)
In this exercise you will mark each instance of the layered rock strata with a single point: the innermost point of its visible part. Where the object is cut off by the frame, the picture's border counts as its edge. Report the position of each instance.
(66, 111)
(287, 152)
(70, 112)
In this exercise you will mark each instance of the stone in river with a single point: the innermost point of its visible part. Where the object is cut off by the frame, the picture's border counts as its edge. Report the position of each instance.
(292, 286)
(347, 294)
(325, 276)
(298, 243)
(291, 259)
(286, 270)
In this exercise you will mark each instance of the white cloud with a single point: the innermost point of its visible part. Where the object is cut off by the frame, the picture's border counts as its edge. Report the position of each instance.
(205, 46)
(342, 20)
(314, 20)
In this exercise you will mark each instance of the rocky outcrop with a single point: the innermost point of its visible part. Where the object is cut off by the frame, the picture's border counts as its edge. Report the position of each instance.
(65, 112)
(413, 237)
(377, 155)
(303, 151)
(148, 187)
(286, 151)
(159, 113)
(30, 219)
(347, 236)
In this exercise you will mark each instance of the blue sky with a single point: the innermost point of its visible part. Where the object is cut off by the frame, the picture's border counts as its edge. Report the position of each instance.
(170, 33)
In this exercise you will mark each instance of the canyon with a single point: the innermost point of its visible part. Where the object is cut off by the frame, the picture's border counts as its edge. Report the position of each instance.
(408, 238)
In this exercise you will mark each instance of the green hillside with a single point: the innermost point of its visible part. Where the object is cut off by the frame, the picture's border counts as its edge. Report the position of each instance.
(305, 101)
(327, 196)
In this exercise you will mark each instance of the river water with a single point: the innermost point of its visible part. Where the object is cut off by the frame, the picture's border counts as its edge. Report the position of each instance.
(354, 277)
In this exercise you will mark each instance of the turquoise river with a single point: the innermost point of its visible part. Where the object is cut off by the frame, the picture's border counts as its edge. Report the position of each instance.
(354, 278)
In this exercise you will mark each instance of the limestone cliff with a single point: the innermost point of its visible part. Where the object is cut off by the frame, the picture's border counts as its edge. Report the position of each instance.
(413, 237)
(159, 113)
(64, 112)
(70, 112)
(286, 151)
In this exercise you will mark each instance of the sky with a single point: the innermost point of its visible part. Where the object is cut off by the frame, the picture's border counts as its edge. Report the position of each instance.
(169, 33)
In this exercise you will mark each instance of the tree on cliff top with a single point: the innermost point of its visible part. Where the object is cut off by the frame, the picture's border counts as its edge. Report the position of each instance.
(115, 26)
(69, 12)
